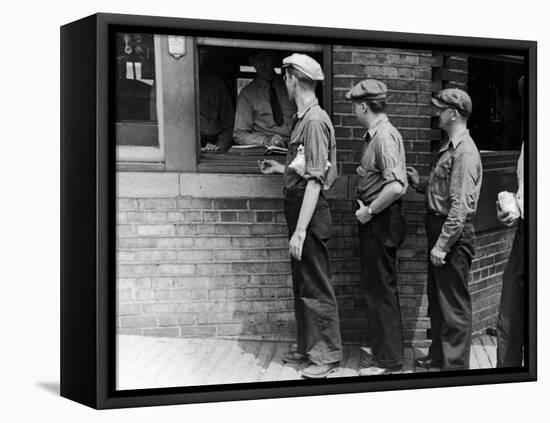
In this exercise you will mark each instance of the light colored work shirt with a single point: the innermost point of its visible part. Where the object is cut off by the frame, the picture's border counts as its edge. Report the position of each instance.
(454, 186)
(382, 161)
(254, 122)
(314, 131)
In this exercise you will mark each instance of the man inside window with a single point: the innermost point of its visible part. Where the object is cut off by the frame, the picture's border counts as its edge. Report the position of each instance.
(264, 111)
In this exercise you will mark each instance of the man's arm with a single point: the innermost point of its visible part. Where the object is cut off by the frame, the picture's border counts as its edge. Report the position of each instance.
(311, 196)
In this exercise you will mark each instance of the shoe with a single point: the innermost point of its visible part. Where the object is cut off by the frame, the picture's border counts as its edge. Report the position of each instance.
(427, 362)
(378, 371)
(320, 371)
(367, 360)
(294, 357)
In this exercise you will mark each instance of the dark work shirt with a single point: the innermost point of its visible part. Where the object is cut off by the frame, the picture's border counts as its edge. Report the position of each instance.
(382, 161)
(254, 122)
(453, 187)
(216, 110)
(313, 129)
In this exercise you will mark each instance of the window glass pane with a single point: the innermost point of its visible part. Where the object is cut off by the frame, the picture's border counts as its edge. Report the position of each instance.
(136, 113)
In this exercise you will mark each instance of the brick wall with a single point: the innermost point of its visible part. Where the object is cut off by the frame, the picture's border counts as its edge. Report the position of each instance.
(206, 254)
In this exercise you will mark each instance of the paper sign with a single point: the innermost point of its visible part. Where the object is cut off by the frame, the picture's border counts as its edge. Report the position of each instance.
(176, 45)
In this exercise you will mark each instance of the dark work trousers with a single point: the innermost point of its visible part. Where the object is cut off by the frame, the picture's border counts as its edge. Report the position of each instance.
(379, 240)
(449, 302)
(510, 318)
(315, 306)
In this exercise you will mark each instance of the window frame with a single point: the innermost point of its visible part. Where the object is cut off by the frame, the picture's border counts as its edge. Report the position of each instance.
(247, 165)
(134, 154)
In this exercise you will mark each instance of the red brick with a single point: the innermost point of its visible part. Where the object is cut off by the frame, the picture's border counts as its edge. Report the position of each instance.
(342, 56)
(192, 216)
(268, 229)
(194, 229)
(228, 216)
(137, 321)
(347, 69)
(156, 230)
(194, 203)
(157, 204)
(245, 216)
(266, 204)
(123, 204)
(264, 217)
(229, 204)
(163, 332)
(232, 229)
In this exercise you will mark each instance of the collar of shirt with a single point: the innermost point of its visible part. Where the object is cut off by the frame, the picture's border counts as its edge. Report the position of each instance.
(313, 102)
(372, 131)
(455, 142)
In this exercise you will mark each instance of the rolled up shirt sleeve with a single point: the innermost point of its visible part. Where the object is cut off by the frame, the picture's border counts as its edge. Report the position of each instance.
(316, 142)
(389, 160)
(463, 198)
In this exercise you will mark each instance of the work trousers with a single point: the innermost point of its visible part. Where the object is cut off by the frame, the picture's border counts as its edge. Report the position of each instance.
(510, 322)
(315, 306)
(449, 302)
(379, 240)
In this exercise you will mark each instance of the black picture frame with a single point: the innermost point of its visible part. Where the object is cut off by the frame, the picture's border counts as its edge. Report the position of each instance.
(88, 208)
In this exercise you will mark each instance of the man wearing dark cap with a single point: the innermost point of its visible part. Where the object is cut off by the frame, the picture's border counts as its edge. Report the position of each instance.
(309, 170)
(511, 313)
(452, 193)
(264, 112)
(381, 184)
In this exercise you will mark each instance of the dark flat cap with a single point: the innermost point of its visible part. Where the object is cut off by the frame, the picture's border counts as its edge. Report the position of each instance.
(369, 89)
(455, 99)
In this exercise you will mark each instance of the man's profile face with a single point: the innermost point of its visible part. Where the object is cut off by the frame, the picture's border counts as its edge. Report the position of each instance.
(444, 116)
(290, 83)
(361, 110)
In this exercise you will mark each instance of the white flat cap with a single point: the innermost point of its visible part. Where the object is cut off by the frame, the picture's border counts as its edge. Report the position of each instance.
(305, 64)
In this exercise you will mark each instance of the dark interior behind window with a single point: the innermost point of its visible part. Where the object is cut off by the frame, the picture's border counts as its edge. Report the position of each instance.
(496, 120)
(232, 65)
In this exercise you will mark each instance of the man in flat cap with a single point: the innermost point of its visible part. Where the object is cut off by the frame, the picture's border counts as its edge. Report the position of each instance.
(510, 323)
(452, 193)
(381, 184)
(264, 112)
(309, 170)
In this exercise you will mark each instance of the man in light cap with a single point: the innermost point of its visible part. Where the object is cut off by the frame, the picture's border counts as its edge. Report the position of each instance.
(382, 182)
(452, 193)
(264, 112)
(310, 169)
